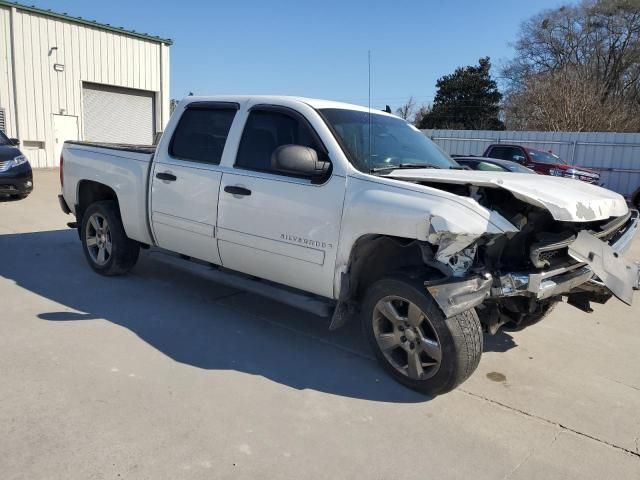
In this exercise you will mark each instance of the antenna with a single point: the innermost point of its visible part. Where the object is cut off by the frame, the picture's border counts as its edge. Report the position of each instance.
(369, 64)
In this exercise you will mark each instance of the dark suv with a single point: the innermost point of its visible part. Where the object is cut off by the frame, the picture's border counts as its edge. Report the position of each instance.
(542, 162)
(16, 179)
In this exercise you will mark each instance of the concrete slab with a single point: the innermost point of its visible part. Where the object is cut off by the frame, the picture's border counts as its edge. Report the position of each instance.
(162, 374)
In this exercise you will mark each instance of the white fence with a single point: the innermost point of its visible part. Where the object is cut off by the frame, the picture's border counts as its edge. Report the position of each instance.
(615, 155)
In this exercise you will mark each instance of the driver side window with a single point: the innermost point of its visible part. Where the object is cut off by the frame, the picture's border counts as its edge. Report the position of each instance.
(267, 130)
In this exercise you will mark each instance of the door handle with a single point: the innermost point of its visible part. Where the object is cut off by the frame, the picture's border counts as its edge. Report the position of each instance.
(235, 190)
(169, 177)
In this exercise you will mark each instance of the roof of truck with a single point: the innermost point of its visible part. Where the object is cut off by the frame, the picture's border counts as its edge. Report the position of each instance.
(313, 102)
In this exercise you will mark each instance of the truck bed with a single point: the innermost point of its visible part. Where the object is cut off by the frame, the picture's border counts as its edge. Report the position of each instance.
(123, 168)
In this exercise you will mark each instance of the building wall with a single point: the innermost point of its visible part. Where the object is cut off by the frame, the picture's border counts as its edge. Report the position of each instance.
(615, 155)
(6, 77)
(32, 91)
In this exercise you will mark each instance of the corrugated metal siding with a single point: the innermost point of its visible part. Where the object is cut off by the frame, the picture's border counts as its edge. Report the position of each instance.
(615, 155)
(6, 77)
(117, 115)
(88, 55)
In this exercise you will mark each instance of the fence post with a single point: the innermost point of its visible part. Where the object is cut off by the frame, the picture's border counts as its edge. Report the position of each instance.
(573, 152)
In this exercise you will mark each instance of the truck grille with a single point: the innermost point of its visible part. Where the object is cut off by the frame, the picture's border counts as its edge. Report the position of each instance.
(542, 254)
(4, 166)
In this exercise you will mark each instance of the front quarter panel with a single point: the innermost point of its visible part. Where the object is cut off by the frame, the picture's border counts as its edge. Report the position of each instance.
(379, 206)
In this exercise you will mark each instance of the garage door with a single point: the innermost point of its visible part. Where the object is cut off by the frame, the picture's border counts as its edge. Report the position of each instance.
(118, 115)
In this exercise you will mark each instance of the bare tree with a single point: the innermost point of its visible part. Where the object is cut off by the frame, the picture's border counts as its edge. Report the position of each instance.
(564, 101)
(421, 112)
(594, 47)
(407, 110)
(173, 103)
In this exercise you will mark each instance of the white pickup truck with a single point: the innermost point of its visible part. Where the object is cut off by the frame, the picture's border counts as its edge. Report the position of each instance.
(345, 211)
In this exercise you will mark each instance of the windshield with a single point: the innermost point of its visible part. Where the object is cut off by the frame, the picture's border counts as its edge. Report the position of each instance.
(393, 141)
(4, 140)
(544, 157)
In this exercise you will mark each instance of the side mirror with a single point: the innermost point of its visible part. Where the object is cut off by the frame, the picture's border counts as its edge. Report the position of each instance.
(15, 141)
(518, 158)
(298, 160)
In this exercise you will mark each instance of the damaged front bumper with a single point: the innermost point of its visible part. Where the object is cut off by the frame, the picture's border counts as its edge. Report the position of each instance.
(458, 296)
(597, 262)
(599, 269)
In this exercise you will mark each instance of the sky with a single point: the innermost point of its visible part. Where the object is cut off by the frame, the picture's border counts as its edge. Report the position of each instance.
(318, 49)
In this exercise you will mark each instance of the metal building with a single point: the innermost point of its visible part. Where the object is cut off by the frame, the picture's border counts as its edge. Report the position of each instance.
(68, 78)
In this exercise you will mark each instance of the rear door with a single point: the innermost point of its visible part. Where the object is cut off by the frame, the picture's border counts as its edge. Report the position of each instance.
(185, 181)
(275, 226)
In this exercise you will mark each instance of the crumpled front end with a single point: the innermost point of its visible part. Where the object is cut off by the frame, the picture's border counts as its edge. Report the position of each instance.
(596, 271)
(536, 260)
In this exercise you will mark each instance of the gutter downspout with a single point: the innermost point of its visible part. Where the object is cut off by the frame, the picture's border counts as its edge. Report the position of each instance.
(14, 85)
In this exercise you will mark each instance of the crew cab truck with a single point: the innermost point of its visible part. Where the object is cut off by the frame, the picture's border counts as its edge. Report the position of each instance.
(543, 163)
(350, 213)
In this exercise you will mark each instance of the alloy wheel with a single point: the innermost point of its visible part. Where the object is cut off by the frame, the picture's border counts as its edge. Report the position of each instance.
(406, 338)
(98, 239)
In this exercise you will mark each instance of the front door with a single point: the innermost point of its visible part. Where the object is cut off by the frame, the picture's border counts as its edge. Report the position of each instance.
(278, 227)
(185, 182)
(65, 127)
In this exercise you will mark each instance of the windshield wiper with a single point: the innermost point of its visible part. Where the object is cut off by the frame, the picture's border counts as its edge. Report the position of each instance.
(400, 166)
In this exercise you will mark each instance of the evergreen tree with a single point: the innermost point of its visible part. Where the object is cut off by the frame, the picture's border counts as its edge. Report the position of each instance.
(467, 99)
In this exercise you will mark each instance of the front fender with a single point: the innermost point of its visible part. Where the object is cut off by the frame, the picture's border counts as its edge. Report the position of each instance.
(379, 206)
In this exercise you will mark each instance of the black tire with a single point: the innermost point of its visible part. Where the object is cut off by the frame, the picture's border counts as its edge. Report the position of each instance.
(529, 319)
(459, 337)
(635, 199)
(124, 251)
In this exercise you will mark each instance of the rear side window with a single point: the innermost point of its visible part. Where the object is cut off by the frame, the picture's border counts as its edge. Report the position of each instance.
(201, 134)
(267, 130)
(504, 153)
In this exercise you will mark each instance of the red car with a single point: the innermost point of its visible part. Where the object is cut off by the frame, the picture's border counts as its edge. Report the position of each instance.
(542, 162)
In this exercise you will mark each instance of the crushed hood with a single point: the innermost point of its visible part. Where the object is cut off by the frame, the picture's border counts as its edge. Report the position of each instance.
(566, 199)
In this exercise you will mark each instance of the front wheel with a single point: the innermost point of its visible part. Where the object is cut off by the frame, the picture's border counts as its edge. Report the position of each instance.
(413, 340)
(106, 246)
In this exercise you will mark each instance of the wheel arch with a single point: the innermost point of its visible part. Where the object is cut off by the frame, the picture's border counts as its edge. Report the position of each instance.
(90, 191)
(374, 256)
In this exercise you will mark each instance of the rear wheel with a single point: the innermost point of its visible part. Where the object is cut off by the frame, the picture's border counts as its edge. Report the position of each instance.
(414, 342)
(106, 246)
